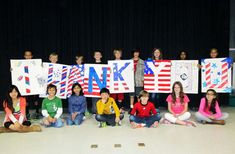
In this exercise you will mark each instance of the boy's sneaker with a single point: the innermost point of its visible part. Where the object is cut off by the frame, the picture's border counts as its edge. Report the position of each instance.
(102, 124)
(119, 123)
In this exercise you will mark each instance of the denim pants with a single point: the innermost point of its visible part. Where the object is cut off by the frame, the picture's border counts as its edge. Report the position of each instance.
(108, 118)
(146, 120)
(59, 123)
(77, 121)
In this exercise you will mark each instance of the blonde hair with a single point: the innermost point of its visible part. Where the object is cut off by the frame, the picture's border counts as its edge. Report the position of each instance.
(117, 50)
(143, 93)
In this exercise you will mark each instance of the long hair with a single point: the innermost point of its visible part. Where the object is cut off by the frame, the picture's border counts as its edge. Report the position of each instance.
(213, 102)
(81, 91)
(8, 101)
(160, 57)
(181, 95)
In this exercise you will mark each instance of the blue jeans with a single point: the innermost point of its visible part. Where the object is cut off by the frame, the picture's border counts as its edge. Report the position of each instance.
(146, 120)
(77, 121)
(108, 118)
(59, 123)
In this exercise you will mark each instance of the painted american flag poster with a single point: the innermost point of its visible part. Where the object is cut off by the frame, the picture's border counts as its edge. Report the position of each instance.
(122, 76)
(26, 75)
(96, 77)
(185, 71)
(76, 75)
(157, 76)
(216, 74)
(56, 74)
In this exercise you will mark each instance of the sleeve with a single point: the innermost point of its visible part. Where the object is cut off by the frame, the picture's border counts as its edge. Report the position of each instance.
(9, 113)
(22, 109)
(218, 111)
(100, 107)
(116, 109)
(84, 105)
(44, 110)
(70, 105)
(202, 107)
(169, 99)
(133, 111)
(60, 109)
(186, 99)
(153, 110)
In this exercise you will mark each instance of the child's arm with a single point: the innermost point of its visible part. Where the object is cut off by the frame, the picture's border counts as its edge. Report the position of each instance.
(218, 111)
(44, 110)
(185, 109)
(59, 110)
(202, 107)
(133, 111)
(22, 109)
(116, 109)
(100, 107)
(9, 113)
(84, 106)
(169, 108)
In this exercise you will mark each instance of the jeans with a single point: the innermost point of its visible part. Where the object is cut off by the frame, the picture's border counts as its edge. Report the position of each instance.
(108, 118)
(59, 123)
(77, 121)
(146, 120)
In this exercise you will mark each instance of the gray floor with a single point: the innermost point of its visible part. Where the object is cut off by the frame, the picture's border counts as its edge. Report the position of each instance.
(166, 139)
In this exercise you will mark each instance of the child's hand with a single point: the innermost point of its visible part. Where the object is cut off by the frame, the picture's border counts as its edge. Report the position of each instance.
(104, 100)
(74, 115)
(49, 119)
(211, 117)
(117, 119)
(54, 120)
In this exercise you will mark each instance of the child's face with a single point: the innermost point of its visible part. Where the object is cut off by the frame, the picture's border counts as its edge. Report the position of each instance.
(136, 54)
(79, 60)
(53, 59)
(97, 56)
(13, 94)
(177, 89)
(28, 55)
(51, 92)
(182, 55)
(213, 54)
(156, 54)
(144, 100)
(118, 55)
(104, 96)
(210, 96)
(77, 90)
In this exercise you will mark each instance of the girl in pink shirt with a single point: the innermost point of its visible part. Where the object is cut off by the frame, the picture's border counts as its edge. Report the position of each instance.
(209, 110)
(178, 106)
(14, 106)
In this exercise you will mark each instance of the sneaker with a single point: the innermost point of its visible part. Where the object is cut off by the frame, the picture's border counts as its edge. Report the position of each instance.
(119, 123)
(102, 124)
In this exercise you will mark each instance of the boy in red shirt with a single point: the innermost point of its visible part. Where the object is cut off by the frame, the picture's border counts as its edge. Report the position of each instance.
(144, 112)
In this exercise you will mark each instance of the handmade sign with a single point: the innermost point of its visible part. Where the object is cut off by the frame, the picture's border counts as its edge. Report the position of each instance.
(76, 76)
(122, 76)
(26, 75)
(216, 74)
(56, 74)
(96, 77)
(185, 71)
(157, 76)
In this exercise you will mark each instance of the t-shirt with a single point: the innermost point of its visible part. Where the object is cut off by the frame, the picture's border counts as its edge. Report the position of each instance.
(110, 107)
(51, 105)
(177, 107)
(143, 110)
(135, 65)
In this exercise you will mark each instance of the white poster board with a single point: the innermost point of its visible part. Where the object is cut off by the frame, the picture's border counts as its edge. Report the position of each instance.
(122, 76)
(56, 74)
(96, 77)
(185, 71)
(26, 75)
(216, 74)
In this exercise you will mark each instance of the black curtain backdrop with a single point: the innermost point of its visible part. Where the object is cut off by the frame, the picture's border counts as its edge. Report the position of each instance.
(71, 27)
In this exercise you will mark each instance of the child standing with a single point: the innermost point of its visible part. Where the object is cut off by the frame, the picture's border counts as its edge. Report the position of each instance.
(144, 112)
(77, 105)
(107, 110)
(178, 106)
(138, 76)
(209, 110)
(14, 106)
(118, 97)
(52, 108)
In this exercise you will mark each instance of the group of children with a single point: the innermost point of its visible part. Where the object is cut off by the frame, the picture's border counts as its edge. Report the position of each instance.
(109, 108)
(143, 113)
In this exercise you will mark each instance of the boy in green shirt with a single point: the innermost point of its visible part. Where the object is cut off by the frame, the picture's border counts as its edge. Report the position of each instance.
(52, 108)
